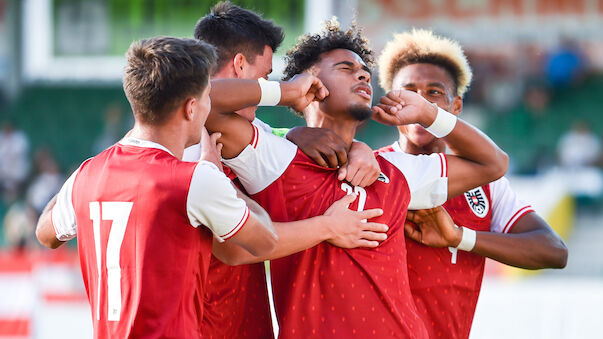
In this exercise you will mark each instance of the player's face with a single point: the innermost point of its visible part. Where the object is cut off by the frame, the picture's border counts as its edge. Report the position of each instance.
(435, 84)
(201, 108)
(348, 80)
(260, 68)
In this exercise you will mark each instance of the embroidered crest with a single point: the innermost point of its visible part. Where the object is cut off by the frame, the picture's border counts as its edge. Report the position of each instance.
(476, 198)
(383, 178)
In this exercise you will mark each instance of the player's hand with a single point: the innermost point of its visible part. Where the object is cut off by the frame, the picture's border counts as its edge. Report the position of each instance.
(348, 227)
(362, 168)
(432, 227)
(301, 90)
(211, 150)
(403, 107)
(322, 145)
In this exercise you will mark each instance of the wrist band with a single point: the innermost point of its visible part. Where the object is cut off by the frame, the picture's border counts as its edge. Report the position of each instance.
(443, 124)
(468, 240)
(271, 92)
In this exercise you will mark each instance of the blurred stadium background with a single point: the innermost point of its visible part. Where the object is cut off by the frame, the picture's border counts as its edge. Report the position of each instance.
(537, 92)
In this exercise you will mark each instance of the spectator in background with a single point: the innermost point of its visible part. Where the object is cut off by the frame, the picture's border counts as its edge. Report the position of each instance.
(565, 65)
(19, 225)
(579, 147)
(112, 131)
(579, 152)
(46, 183)
(14, 161)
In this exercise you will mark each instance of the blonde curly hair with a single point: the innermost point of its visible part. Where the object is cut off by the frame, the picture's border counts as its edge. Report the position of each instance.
(422, 46)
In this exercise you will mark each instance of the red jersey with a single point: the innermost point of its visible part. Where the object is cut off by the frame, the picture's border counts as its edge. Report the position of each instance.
(327, 291)
(136, 210)
(236, 297)
(446, 282)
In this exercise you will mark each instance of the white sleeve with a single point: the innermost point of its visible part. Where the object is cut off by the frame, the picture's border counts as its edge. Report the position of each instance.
(263, 161)
(63, 213)
(212, 201)
(507, 208)
(427, 177)
(262, 125)
(192, 153)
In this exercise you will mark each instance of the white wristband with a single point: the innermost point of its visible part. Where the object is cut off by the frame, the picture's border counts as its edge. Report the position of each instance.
(271, 92)
(443, 124)
(468, 240)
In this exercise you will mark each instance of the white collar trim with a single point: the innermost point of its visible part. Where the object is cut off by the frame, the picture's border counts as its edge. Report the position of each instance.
(129, 141)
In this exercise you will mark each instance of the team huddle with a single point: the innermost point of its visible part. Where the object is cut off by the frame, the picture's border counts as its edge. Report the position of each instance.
(175, 221)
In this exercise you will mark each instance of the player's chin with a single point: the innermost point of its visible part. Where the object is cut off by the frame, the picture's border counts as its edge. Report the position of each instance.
(361, 112)
(420, 135)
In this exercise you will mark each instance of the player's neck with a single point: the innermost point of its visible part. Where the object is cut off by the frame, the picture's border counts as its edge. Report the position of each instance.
(346, 129)
(436, 146)
(165, 135)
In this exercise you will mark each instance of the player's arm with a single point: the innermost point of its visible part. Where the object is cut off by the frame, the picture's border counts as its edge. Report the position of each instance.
(358, 165)
(229, 95)
(44, 230)
(339, 226)
(531, 244)
(57, 223)
(212, 202)
(477, 160)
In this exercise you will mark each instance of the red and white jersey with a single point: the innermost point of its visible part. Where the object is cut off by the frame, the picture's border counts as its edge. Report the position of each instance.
(236, 297)
(327, 291)
(446, 282)
(135, 209)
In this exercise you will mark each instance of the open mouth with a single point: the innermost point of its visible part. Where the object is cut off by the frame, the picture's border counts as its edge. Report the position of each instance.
(363, 91)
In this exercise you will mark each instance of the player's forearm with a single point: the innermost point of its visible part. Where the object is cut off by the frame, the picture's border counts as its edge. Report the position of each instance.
(469, 143)
(530, 250)
(293, 237)
(229, 95)
(44, 230)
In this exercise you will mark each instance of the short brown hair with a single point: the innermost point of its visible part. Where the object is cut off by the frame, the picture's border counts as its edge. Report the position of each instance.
(162, 72)
(232, 29)
(422, 46)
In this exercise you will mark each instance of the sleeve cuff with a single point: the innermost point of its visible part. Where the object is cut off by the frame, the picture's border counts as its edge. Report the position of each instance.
(511, 223)
(237, 227)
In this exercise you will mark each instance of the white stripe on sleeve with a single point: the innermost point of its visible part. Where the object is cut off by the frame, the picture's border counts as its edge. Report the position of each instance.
(507, 208)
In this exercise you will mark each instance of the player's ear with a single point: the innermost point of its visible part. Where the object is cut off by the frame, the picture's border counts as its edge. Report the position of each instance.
(189, 109)
(457, 105)
(239, 62)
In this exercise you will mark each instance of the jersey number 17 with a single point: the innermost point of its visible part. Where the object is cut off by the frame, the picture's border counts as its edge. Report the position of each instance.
(119, 213)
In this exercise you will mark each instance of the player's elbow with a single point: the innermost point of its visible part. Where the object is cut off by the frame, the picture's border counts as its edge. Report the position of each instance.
(559, 256)
(265, 246)
(499, 165)
(45, 240)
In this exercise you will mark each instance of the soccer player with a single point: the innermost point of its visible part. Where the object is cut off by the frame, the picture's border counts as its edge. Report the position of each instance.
(245, 43)
(327, 291)
(143, 217)
(444, 281)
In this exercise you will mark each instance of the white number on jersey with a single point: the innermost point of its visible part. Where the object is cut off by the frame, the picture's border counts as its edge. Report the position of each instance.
(358, 191)
(119, 213)
(454, 251)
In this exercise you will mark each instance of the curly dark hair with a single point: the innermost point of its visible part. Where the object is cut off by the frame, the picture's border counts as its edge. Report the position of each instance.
(308, 49)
